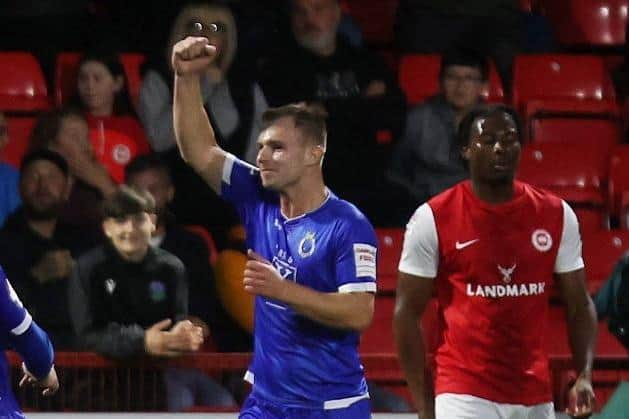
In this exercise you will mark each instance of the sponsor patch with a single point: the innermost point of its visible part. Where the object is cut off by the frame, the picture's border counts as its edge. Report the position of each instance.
(365, 260)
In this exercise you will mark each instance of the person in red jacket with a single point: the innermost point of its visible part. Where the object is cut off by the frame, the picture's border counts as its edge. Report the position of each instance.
(115, 131)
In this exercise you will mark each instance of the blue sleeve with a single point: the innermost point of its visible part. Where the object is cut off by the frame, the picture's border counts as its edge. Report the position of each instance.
(36, 350)
(356, 257)
(13, 316)
(24, 335)
(241, 186)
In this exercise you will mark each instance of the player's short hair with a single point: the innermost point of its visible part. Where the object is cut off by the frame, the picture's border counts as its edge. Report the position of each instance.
(309, 118)
(144, 162)
(484, 111)
(466, 57)
(128, 201)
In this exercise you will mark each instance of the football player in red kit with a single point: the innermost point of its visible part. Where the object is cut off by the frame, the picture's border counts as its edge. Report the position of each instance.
(490, 249)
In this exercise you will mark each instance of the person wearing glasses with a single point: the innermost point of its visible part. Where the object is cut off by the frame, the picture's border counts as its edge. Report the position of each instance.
(427, 160)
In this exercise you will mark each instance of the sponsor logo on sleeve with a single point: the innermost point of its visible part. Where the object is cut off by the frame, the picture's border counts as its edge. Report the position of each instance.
(365, 260)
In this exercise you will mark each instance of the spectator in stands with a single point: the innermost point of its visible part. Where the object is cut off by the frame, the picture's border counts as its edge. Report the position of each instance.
(38, 250)
(66, 132)
(102, 93)
(496, 27)
(231, 98)
(427, 160)
(125, 295)
(9, 194)
(151, 173)
(612, 301)
(357, 89)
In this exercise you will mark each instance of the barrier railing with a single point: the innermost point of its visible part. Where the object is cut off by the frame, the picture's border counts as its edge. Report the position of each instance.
(90, 382)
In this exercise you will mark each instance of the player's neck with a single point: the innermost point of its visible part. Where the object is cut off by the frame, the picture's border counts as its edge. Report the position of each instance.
(45, 228)
(299, 201)
(493, 193)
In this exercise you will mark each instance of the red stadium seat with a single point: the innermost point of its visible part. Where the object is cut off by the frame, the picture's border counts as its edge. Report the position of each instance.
(66, 73)
(592, 219)
(576, 173)
(207, 238)
(22, 84)
(376, 18)
(560, 83)
(390, 241)
(419, 78)
(602, 132)
(19, 131)
(587, 22)
(378, 338)
(601, 251)
(618, 180)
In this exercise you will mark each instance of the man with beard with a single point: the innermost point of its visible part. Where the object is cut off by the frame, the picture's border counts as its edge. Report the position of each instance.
(36, 250)
(360, 95)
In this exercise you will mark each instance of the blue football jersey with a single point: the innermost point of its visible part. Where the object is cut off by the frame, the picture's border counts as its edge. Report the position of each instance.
(297, 361)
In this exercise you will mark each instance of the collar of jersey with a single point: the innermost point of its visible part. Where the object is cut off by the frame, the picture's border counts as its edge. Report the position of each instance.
(299, 217)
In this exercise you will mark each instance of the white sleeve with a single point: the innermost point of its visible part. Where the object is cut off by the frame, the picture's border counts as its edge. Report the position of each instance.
(420, 254)
(569, 255)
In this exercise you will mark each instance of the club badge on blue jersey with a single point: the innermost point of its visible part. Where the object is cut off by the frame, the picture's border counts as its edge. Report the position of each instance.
(307, 245)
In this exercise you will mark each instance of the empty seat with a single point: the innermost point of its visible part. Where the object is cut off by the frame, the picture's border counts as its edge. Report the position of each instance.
(202, 232)
(22, 84)
(19, 132)
(601, 251)
(375, 17)
(560, 83)
(587, 22)
(390, 241)
(576, 173)
(592, 218)
(66, 69)
(379, 335)
(619, 181)
(602, 132)
(419, 78)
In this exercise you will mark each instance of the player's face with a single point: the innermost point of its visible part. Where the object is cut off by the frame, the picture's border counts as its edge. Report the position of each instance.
(493, 151)
(315, 23)
(130, 234)
(281, 155)
(44, 189)
(462, 86)
(97, 87)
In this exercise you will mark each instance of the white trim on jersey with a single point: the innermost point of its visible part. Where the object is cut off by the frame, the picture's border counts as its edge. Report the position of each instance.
(328, 404)
(228, 164)
(569, 255)
(249, 377)
(23, 327)
(358, 287)
(343, 403)
(420, 254)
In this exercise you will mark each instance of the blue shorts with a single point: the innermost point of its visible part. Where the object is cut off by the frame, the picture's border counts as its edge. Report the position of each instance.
(255, 408)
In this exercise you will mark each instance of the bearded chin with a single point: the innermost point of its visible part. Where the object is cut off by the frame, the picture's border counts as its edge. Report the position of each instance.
(42, 214)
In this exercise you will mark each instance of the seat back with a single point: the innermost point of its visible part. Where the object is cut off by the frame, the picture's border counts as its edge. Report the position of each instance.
(22, 84)
(419, 78)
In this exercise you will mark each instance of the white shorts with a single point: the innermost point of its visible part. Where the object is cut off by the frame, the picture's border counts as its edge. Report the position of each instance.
(463, 406)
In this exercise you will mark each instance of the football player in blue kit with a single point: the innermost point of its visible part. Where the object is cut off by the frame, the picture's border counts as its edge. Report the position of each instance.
(21, 333)
(312, 263)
